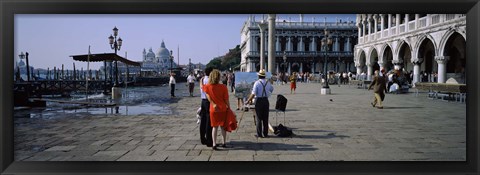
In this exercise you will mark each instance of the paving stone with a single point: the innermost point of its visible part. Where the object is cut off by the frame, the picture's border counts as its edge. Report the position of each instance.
(345, 128)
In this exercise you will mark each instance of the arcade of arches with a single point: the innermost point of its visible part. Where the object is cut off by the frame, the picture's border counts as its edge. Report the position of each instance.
(445, 56)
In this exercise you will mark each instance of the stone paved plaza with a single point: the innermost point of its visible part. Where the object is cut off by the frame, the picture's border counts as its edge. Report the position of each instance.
(341, 126)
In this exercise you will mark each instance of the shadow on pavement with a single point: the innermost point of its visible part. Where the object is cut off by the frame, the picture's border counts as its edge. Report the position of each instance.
(400, 107)
(269, 146)
(330, 135)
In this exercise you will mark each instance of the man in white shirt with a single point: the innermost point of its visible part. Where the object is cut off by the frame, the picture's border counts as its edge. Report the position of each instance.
(205, 127)
(172, 84)
(191, 83)
(262, 89)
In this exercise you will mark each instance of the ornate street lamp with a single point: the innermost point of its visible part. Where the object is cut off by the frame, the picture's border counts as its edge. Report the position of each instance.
(115, 44)
(326, 42)
(25, 56)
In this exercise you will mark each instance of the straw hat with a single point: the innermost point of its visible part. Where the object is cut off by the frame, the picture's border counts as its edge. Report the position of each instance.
(261, 73)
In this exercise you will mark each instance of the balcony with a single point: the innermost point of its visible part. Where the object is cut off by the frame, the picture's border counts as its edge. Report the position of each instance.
(422, 22)
(411, 25)
(305, 54)
(418, 24)
(402, 28)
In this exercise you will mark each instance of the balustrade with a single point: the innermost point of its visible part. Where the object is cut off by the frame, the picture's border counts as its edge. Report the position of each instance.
(411, 25)
(402, 28)
(423, 22)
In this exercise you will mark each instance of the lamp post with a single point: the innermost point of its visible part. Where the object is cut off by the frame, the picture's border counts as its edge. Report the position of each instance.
(115, 44)
(326, 42)
(25, 56)
(284, 66)
(171, 61)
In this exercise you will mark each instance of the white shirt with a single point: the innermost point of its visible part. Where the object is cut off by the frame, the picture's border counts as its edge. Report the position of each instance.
(257, 89)
(191, 79)
(172, 80)
(203, 94)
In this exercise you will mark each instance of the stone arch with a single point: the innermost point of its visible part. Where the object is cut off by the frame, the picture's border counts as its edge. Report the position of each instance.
(399, 46)
(405, 54)
(387, 55)
(373, 59)
(420, 41)
(455, 48)
(445, 37)
(362, 60)
(426, 51)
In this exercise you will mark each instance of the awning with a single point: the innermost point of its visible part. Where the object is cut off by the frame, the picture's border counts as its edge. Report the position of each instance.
(104, 57)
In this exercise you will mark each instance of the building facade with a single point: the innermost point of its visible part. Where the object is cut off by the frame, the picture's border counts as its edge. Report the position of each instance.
(418, 43)
(300, 43)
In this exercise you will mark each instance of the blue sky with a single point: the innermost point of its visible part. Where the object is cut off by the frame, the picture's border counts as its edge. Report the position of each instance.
(51, 38)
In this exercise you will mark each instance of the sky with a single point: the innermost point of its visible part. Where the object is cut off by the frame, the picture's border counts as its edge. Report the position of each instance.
(50, 39)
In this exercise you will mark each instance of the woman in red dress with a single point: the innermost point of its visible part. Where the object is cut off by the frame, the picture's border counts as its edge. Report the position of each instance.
(217, 94)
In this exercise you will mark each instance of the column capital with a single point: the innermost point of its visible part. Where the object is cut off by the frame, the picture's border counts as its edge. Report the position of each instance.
(380, 63)
(397, 62)
(442, 59)
(417, 60)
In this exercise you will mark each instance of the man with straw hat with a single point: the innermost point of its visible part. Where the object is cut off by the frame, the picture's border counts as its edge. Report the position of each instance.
(262, 89)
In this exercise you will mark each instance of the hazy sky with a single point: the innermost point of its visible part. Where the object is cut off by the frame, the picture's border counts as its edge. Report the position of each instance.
(51, 39)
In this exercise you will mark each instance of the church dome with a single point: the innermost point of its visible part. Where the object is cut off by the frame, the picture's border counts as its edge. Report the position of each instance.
(163, 51)
(150, 54)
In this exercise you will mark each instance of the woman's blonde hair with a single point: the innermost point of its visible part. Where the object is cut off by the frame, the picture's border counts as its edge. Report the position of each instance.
(214, 77)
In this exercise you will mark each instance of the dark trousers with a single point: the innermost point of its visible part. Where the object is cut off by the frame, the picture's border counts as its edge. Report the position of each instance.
(190, 87)
(205, 127)
(172, 90)
(261, 109)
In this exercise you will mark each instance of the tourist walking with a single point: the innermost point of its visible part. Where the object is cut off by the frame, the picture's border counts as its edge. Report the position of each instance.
(262, 89)
(172, 84)
(217, 95)
(232, 85)
(205, 127)
(293, 83)
(379, 89)
(191, 83)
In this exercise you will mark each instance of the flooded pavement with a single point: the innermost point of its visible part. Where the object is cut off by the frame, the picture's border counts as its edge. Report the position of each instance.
(135, 101)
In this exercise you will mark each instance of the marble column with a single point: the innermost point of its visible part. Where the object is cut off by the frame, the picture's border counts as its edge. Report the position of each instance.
(289, 69)
(442, 69)
(312, 67)
(416, 70)
(277, 45)
(277, 68)
(406, 22)
(417, 24)
(337, 45)
(300, 45)
(313, 45)
(363, 29)
(397, 21)
(375, 19)
(369, 26)
(382, 23)
(359, 31)
(301, 67)
(271, 46)
(389, 21)
(397, 64)
(263, 27)
(289, 44)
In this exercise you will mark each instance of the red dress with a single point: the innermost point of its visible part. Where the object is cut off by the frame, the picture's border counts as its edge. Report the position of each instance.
(218, 93)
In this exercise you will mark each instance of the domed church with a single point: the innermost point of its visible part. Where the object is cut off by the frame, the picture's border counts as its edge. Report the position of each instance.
(159, 62)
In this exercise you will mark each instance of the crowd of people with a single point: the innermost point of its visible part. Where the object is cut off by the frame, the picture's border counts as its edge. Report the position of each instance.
(215, 103)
